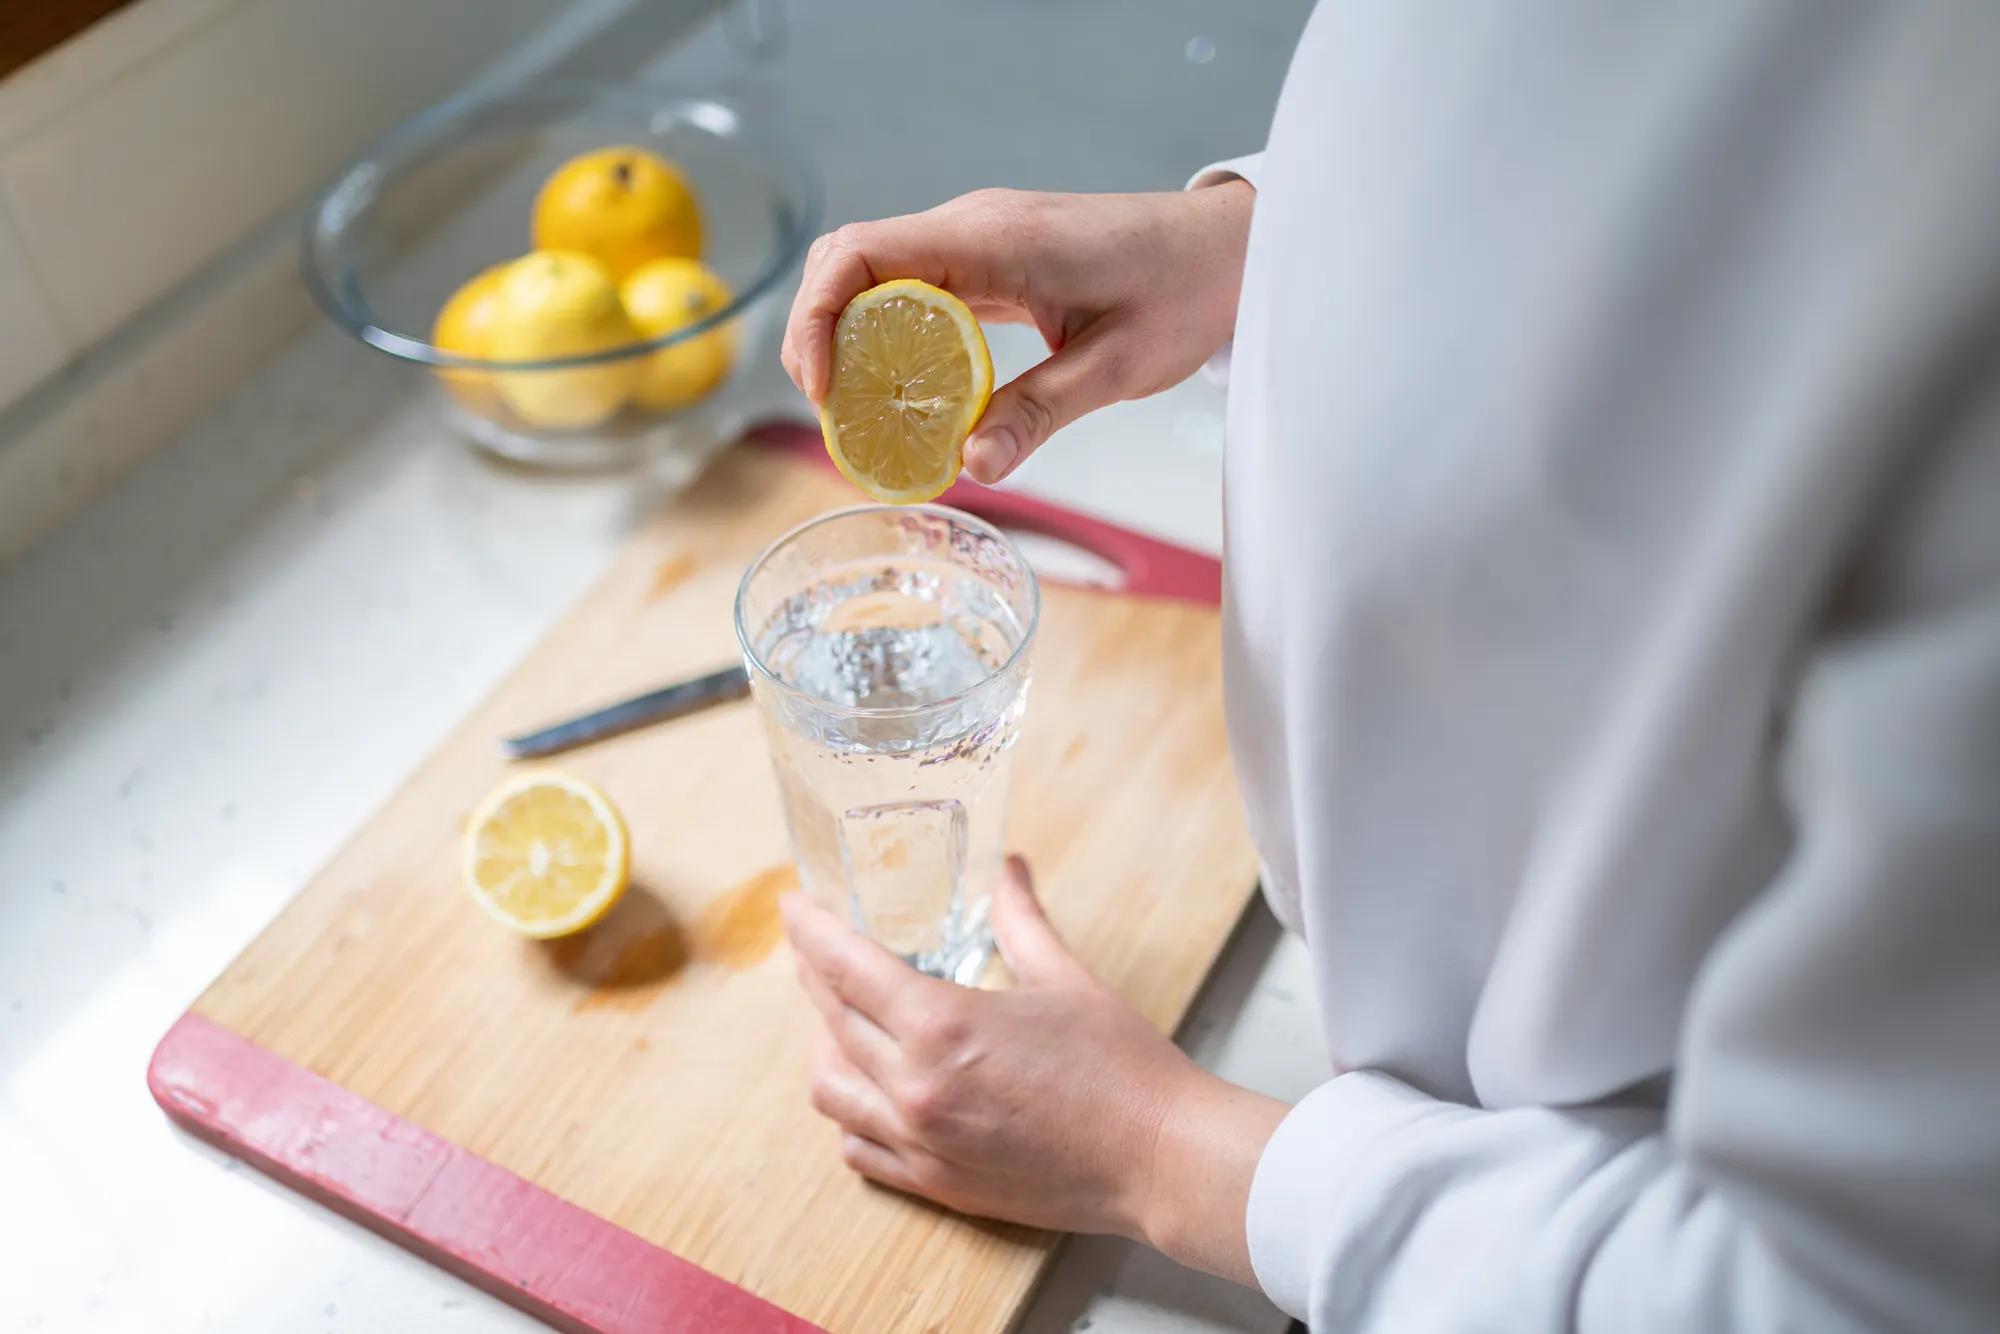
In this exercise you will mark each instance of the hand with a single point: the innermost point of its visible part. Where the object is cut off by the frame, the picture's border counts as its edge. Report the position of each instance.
(1052, 1103)
(1130, 292)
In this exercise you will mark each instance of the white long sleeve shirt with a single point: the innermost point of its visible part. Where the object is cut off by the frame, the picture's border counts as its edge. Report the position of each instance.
(1613, 605)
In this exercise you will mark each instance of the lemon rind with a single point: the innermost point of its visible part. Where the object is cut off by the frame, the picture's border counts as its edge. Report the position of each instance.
(599, 902)
(974, 340)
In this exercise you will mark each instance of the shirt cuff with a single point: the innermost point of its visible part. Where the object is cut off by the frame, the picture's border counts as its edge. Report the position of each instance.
(1246, 168)
(1306, 1178)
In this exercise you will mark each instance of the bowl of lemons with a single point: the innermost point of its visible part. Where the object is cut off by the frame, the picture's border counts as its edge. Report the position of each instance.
(582, 269)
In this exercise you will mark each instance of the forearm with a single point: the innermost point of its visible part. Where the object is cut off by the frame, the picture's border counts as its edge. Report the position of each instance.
(1198, 1174)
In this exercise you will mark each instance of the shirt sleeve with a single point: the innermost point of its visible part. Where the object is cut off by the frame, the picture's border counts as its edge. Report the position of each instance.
(1830, 1154)
(1246, 168)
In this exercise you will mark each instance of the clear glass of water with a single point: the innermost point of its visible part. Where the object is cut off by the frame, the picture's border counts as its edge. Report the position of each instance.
(888, 651)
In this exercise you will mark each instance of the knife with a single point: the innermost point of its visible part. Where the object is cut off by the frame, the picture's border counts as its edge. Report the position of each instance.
(654, 706)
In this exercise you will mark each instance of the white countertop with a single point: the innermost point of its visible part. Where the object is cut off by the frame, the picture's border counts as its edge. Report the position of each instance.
(216, 672)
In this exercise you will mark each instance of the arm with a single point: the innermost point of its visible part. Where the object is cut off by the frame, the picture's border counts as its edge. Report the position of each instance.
(1830, 1158)
(1132, 293)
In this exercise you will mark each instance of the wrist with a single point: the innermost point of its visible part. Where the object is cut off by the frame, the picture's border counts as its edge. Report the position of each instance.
(1217, 243)
(1195, 1182)
(1222, 209)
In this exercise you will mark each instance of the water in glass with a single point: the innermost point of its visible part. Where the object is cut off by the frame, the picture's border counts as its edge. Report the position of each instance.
(892, 681)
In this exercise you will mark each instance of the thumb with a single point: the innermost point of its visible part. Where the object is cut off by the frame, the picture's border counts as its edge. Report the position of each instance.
(1082, 377)
(1027, 942)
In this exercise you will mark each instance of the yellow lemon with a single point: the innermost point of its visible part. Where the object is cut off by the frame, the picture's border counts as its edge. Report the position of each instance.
(670, 294)
(547, 854)
(623, 206)
(911, 376)
(465, 328)
(554, 304)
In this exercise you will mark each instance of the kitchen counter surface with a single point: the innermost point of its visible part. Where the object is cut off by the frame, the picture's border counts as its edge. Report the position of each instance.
(217, 671)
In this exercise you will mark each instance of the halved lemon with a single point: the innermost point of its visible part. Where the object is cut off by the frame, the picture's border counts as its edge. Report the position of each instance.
(911, 376)
(546, 854)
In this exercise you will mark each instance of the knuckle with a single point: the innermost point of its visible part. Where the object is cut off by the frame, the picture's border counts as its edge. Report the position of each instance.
(984, 200)
(941, 1028)
(847, 239)
(851, 1032)
(1019, 215)
(833, 971)
(929, 1174)
(1030, 217)
(822, 1098)
(951, 1027)
(1113, 367)
(921, 1101)
(1038, 416)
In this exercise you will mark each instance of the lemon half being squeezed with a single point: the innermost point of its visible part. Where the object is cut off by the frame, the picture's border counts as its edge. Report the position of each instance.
(911, 377)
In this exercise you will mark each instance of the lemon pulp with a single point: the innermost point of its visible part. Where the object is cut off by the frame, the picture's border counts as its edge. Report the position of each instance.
(911, 377)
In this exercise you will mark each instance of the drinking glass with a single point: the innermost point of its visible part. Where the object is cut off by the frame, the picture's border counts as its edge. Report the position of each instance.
(888, 652)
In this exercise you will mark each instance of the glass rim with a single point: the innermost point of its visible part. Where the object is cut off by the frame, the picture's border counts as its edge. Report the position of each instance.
(758, 667)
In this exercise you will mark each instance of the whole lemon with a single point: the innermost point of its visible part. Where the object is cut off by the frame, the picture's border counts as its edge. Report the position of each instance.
(624, 206)
(554, 304)
(670, 294)
(465, 328)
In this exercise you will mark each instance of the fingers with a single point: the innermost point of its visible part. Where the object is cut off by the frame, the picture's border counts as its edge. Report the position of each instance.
(840, 272)
(856, 1034)
(860, 972)
(933, 247)
(844, 1094)
(877, 1162)
(1086, 374)
(875, 1143)
(979, 247)
(1027, 942)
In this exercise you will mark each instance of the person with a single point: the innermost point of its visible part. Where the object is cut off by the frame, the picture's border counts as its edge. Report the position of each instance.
(1612, 620)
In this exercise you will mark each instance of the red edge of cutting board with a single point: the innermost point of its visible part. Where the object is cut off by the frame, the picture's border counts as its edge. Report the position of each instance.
(1151, 568)
(500, 1232)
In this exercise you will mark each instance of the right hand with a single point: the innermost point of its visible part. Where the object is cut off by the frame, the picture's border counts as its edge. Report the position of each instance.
(1132, 293)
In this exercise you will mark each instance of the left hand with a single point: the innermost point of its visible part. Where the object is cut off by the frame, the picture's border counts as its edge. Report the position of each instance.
(1042, 1104)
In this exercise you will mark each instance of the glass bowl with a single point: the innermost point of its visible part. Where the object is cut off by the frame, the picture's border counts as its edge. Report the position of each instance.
(450, 193)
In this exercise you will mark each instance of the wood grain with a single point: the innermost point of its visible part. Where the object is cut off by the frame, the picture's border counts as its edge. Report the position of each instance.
(653, 1071)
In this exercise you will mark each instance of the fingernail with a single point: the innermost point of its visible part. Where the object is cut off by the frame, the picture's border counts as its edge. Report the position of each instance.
(992, 452)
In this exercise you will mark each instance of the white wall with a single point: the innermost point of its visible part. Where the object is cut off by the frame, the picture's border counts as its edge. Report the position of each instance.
(138, 153)
(150, 173)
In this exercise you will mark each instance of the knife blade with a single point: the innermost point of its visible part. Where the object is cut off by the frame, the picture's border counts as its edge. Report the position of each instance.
(674, 701)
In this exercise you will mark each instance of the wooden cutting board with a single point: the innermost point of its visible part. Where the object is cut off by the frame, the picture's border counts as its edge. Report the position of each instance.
(612, 1131)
